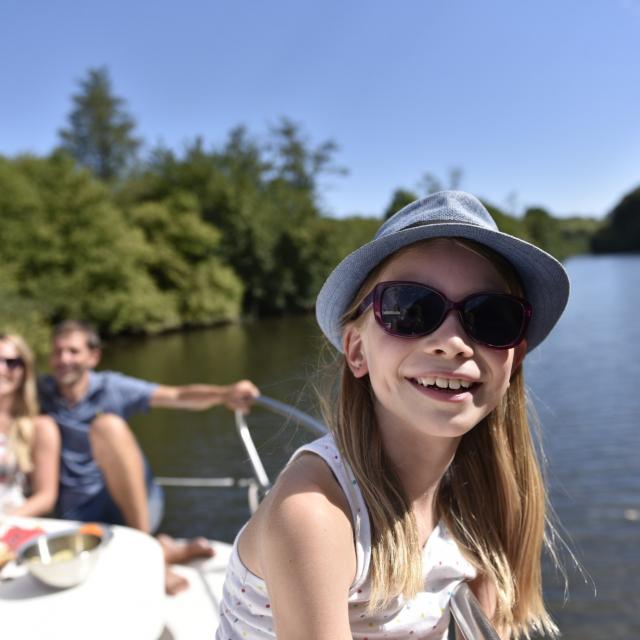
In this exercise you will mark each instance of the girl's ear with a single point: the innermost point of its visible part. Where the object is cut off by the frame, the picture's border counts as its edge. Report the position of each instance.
(354, 352)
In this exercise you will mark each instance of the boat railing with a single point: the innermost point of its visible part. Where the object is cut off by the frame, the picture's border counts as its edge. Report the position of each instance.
(469, 617)
(258, 485)
(467, 614)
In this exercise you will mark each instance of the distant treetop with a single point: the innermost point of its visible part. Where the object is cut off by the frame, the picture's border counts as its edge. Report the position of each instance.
(100, 132)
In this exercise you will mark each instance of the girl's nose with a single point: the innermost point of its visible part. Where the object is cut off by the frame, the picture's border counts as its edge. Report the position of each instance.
(450, 339)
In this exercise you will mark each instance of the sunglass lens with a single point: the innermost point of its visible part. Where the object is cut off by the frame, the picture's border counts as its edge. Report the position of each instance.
(410, 310)
(494, 320)
(12, 363)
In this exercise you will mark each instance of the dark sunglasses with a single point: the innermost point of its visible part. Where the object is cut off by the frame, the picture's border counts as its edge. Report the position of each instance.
(412, 310)
(12, 363)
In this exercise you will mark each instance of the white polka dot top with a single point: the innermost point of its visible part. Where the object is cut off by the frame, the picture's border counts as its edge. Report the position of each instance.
(246, 614)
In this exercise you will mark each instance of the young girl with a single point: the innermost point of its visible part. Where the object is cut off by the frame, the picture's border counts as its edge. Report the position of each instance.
(29, 443)
(429, 476)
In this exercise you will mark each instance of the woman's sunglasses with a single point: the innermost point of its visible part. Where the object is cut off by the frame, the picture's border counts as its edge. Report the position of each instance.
(12, 363)
(412, 310)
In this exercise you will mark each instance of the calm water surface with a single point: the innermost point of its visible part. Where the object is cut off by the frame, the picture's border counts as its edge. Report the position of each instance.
(583, 382)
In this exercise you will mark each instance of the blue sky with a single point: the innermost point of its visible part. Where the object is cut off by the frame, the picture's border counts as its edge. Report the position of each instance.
(537, 102)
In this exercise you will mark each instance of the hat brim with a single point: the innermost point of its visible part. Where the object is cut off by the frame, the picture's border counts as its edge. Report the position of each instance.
(544, 279)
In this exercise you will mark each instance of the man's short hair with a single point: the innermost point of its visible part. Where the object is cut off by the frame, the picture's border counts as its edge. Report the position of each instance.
(71, 326)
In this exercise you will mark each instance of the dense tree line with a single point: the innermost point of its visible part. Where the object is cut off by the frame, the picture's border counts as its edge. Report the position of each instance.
(175, 240)
(561, 237)
(180, 239)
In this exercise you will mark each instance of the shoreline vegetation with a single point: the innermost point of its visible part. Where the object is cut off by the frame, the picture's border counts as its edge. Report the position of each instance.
(168, 241)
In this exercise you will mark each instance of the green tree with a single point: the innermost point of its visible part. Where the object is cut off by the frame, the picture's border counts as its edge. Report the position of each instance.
(621, 231)
(23, 316)
(71, 252)
(577, 234)
(308, 253)
(430, 183)
(295, 161)
(185, 261)
(506, 223)
(544, 231)
(400, 198)
(561, 237)
(261, 196)
(100, 132)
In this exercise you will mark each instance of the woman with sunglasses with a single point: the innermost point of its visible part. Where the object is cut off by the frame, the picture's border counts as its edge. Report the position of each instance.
(29, 443)
(429, 476)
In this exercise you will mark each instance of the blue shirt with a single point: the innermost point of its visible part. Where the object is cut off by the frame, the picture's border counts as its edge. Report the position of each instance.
(109, 392)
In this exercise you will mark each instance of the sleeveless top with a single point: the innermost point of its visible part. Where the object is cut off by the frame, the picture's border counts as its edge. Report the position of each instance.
(13, 482)
(245, 611)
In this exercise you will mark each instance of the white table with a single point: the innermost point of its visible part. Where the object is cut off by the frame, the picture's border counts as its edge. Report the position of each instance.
(123, 598)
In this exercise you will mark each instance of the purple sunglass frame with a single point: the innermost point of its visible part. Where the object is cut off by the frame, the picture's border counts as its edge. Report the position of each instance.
(375, 297)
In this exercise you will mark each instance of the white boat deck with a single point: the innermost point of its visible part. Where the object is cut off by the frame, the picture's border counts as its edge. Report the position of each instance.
(194, 613)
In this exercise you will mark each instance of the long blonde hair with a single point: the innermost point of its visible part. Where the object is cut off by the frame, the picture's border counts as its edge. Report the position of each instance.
(492, 498)
(25, 406)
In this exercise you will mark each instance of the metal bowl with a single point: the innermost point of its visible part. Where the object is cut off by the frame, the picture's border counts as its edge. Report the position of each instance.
(62, 559)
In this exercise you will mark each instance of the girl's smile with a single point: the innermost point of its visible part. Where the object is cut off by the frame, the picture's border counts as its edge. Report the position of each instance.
(442, 383)
(442, 386)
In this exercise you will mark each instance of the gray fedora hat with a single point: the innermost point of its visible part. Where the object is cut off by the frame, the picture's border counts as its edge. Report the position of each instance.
(448, 214)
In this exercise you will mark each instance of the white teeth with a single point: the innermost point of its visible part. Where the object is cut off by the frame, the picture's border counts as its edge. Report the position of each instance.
(444, 383)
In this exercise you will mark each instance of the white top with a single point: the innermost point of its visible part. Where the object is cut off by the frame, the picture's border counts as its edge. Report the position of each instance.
(12, 480)
(246, 612)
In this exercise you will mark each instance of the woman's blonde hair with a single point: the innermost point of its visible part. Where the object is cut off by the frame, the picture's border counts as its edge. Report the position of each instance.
(25, 406)
(492, 498)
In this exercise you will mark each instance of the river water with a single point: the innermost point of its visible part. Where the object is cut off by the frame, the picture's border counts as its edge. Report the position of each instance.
(583, 382)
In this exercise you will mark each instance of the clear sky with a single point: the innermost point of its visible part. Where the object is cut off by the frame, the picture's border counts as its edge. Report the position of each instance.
(537, 102)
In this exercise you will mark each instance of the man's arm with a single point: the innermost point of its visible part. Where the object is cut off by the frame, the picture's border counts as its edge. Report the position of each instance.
(195, 397)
